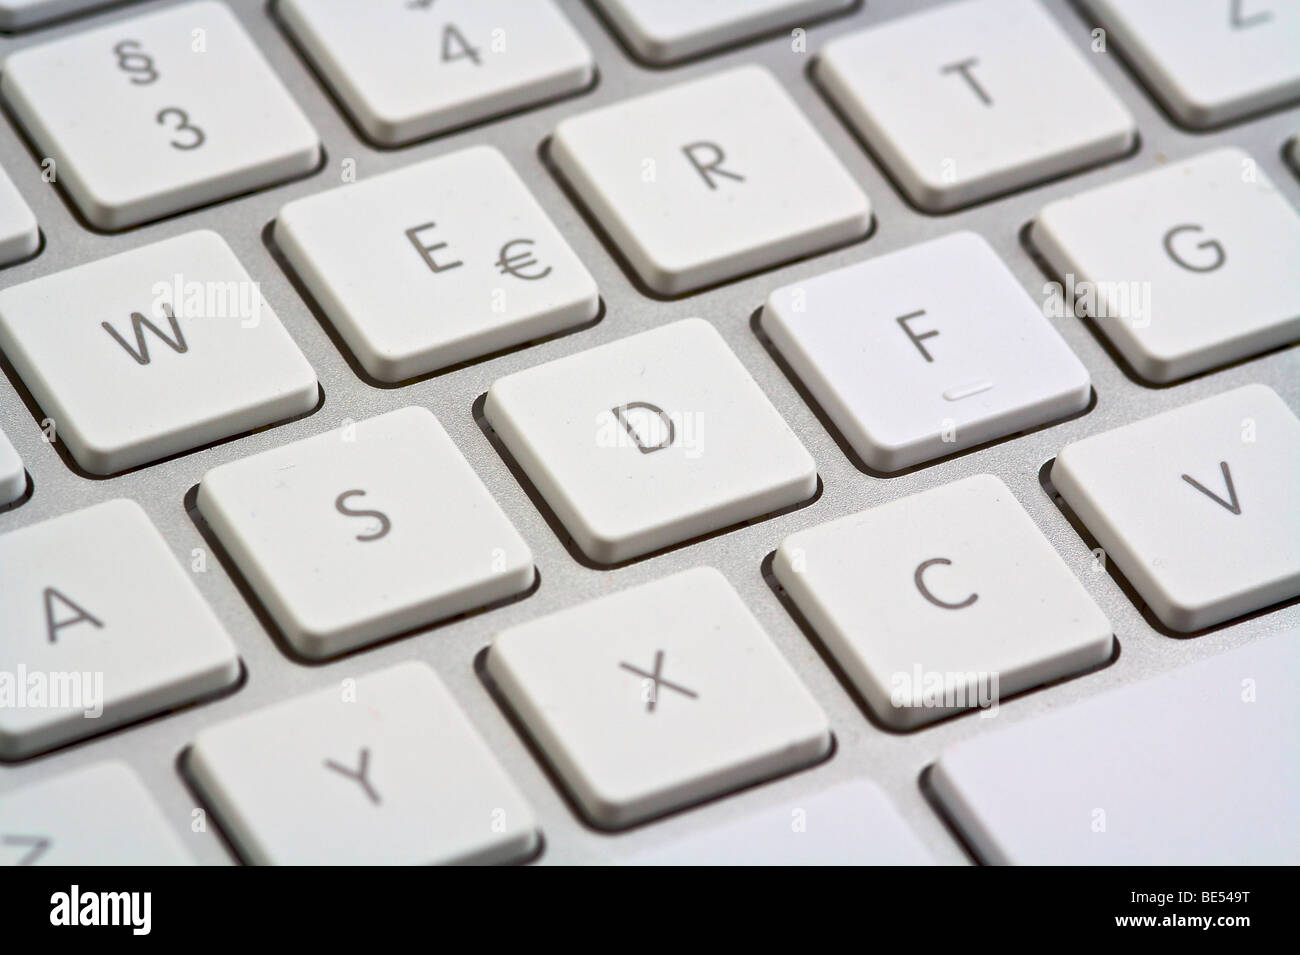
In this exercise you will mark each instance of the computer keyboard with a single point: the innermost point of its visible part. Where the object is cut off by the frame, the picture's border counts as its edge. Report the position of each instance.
(649, 431)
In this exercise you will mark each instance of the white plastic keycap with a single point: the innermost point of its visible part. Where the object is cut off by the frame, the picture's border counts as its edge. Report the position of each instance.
(942, 602)
(105, 626)
(707, 180)
(1196, 506)
(1186, 267)
(1200, 766)
(13, 477)
(667, 31)
(97, 816)
(364, 532)
(406, 69)
(20, 237)
(23, 14)
(152, 352)
(975, 98)
(649, 441)
(658, 696)
(1209, 61)
(853, 823)
(173, 109)
(925, 351)
(442, 261)
(385, 771)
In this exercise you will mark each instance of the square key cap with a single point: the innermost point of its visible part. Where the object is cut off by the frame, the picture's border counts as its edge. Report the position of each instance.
(101, 618)
(646, 442)
(439, 262)
(1197, 506)
(1209, 61)
(159, 113)
(382, 770)
(98, 815)
(152, 352)
(1186, 267)
(656, 697)
(971, 99)
(910, 368)
(943, 601)
(707, 180)
(406, 69)
(666, 31)
(20, 237)
(364, 532)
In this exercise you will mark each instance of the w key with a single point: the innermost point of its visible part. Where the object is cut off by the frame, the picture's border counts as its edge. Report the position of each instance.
(151, 116)
(1197, 506)
(153, 352)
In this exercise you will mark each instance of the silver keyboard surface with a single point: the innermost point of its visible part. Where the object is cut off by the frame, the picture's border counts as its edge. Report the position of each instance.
(863, 749)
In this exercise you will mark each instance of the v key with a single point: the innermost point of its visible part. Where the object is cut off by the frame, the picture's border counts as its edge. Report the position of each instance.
(1231, 504)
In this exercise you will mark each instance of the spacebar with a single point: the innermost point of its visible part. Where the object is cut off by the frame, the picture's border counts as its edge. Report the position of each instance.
(1200, 766)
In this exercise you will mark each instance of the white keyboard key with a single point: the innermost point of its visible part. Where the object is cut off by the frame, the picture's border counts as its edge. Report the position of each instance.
(1200, 766)
(152, 352)
(650, 441)
(656, 697)
(910, 368)
(382, 770)
(157, 114)
(105, 625)
(942, 602)
(20, 237)
(853, 823)
(13, 477)
(1196, 506)
(1209, 61)
(443, 261)
(405, 69)
(99, 815)
(972, 99)
(666, 31)
(365, 532)
(22, 14)
(707, 180)
(1186, 267)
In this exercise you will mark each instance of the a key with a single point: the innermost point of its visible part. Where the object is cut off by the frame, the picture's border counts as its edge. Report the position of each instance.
(656, 697)
(1209, 61)
(973, 99)
(164, 112)
(853, 823)
(943, 602)
(99, 815)
(443, 261)
(707, 180)
(152, 352)
(23, 14)
(910, 368)
(649, 441)
(406, 69)
(380, 769)
(1183, 268)
(1199, 766)
(13, 477)
(1196, 506)
(101, 627)
(364, 532)
(19, 235)
(667, 31)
